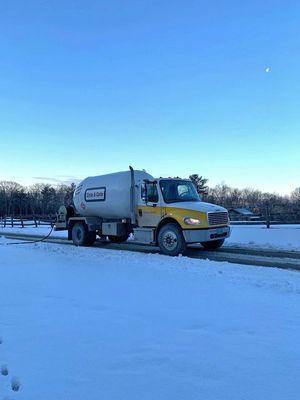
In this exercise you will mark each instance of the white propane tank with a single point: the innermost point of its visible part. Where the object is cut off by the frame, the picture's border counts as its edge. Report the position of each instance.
(107, 196)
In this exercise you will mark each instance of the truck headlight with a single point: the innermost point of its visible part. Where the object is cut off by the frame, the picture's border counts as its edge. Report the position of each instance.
(192, 221)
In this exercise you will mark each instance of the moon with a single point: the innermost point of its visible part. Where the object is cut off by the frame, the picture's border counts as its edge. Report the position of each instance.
(268, 69)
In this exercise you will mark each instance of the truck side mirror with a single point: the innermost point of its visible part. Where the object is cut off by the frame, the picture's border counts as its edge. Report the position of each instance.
(149, 192)
(144, 194)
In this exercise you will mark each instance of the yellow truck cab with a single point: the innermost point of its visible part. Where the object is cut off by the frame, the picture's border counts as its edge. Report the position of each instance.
(173, 208)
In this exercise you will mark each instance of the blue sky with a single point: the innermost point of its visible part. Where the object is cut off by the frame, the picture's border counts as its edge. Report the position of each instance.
(89, 87)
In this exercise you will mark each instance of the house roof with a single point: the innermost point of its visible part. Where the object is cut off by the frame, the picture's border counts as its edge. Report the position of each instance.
(242, 211)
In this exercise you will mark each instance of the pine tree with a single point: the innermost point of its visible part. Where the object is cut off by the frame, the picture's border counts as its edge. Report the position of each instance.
(200, 183)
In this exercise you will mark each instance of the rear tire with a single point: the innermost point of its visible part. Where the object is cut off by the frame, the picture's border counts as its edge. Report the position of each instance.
(81, 236)
(118, 239)
(213, 244)
(170, 240)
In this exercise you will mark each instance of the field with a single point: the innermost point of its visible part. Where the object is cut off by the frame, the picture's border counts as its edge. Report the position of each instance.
(78, 323)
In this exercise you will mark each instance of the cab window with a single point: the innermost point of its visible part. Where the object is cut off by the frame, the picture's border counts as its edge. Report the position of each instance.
(178, 191)
(184, 191)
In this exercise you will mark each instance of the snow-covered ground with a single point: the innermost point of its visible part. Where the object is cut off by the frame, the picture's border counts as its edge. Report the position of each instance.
(278, 236)
(78, 323)
(40, 230)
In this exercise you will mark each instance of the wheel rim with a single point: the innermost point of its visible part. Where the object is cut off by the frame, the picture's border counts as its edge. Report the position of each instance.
(170, 240)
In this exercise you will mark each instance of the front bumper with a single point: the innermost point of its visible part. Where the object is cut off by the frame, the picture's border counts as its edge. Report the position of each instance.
(205, 235)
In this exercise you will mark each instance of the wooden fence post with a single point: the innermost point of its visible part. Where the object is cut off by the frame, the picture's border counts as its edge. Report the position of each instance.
(268, 222)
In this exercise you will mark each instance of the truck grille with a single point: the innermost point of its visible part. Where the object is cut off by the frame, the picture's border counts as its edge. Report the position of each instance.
(218, 218)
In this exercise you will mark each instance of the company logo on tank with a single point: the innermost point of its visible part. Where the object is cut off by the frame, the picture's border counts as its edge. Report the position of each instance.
(95, 194)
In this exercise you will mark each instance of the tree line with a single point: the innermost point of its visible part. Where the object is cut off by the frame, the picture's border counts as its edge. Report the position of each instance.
(281, 208)
(39, 199)
(45, 199)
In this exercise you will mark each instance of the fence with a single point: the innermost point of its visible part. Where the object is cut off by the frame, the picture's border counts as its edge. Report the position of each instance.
(24, 221)
(268, 224)
(269, 214)
(267, 218)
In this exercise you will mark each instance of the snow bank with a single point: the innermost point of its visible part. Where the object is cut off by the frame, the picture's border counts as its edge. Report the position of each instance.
(78, 323)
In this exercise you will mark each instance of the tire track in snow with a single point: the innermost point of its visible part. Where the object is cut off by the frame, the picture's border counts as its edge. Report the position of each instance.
(235, 255)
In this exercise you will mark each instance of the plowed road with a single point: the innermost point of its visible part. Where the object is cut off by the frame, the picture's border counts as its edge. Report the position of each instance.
(237, 255)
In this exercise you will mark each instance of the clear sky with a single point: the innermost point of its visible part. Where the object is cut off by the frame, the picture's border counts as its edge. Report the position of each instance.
(174, 87)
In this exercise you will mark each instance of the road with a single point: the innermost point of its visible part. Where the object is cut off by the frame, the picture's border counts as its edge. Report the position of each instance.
(236, 255)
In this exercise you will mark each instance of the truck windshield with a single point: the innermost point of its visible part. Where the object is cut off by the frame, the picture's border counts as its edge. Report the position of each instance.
(178, 190)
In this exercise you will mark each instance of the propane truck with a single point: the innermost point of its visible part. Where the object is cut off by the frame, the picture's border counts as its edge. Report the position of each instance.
(167, 212)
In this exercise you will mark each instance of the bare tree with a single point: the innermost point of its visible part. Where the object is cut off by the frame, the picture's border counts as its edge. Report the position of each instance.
(295, 196)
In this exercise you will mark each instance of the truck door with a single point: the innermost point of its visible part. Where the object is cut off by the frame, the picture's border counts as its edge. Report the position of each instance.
(149, 209)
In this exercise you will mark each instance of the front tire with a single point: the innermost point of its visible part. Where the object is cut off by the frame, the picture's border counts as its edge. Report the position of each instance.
(170, 240)
(213, 244)
(81, 236)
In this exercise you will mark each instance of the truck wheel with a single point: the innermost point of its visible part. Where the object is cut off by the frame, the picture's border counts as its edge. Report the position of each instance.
(170, 240)
(81, 236)
(118, 239)
(213, 244)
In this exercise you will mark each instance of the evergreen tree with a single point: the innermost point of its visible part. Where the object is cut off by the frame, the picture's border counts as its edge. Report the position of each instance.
(200, 183)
